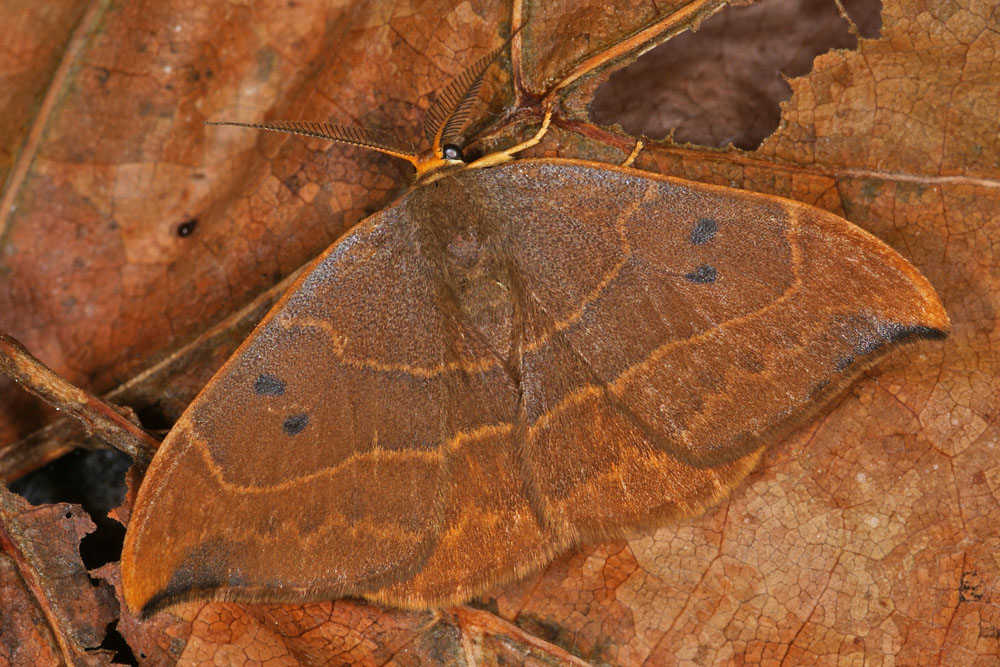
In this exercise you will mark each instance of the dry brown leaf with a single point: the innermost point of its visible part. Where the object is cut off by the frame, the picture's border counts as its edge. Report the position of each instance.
(867, 535)
(51, 612)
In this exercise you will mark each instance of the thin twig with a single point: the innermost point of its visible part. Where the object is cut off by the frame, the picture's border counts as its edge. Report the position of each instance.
(100, 419)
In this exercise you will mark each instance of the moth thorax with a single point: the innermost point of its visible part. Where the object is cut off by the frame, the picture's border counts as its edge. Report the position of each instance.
(465, 247)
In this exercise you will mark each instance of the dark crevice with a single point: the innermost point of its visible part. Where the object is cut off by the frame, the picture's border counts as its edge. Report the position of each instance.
(154, 418)
(94, 479)
(104, 545)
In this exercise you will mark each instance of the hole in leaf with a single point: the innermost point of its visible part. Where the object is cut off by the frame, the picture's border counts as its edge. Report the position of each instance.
(104, 545)
(93, 479)
(114, 641)
(723, 84)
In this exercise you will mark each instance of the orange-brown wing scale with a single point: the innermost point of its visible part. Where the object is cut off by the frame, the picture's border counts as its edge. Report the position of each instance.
(506, 362)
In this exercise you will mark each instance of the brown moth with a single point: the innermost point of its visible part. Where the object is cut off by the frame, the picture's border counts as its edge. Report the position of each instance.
(513, 358)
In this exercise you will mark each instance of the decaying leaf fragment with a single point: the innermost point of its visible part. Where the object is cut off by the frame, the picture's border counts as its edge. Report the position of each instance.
(51, 611)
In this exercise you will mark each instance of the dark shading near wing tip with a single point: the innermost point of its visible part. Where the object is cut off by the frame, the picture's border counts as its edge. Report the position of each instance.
(181, 586)
(887, 333)
(868, 335)
(153, 605)
(295, 424)
(843, 363)
(200, 571)
(704, 231)
(899, 332)
(703, 275)
(268, 385)
(819, 388)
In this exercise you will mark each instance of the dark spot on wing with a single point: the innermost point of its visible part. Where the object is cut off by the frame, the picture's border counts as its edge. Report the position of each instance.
(704, 274)
(295, 424)
(704, 231)
(268, 385)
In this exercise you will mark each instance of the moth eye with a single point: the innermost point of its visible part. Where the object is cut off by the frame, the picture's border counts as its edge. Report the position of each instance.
(451, 152)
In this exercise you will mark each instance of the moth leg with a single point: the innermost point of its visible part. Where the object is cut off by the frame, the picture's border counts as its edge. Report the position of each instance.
(524, 145)
(507, 155)
(639, 145)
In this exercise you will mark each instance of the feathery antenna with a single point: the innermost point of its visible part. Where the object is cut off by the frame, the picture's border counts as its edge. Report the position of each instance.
(450, 110)
(345, 134)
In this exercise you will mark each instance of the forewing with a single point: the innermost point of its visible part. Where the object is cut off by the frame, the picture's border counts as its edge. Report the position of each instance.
(672, 328)
(317, 463)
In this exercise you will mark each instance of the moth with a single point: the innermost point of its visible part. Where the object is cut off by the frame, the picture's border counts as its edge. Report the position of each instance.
(515, 357)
